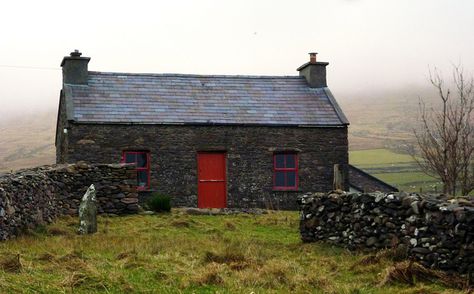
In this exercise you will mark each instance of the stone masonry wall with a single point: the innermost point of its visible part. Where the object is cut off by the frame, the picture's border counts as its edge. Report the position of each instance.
(36, 196)
(249, 154)
(438, 233)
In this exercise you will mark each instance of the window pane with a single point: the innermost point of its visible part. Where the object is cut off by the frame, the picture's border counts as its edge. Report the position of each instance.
(142, 176)
(291, 179)
(280, 160)
(290, 160)
(141, 160)
(130, 157)
(279, 179)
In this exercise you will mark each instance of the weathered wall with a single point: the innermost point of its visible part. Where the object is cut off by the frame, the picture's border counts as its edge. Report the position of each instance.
(249, 157)
(437, 233)
(61, 125)
(36, 196)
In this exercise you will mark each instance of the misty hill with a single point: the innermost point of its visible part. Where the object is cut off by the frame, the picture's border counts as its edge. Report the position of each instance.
(384, 119)
(27, 140)
(378, 120)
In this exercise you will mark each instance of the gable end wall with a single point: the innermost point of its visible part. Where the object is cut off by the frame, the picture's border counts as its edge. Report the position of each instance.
(61, 140)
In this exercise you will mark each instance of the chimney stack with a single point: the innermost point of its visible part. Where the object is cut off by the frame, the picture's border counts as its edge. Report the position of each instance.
(314, 72)
(75, 68)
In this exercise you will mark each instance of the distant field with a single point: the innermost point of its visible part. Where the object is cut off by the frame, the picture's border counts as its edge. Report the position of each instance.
(399, 170)
(378, 157)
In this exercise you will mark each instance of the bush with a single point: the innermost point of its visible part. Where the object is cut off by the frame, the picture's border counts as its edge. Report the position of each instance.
(160, 203)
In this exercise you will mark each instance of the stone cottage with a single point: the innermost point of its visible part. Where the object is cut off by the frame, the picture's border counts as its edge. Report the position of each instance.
(207, 140)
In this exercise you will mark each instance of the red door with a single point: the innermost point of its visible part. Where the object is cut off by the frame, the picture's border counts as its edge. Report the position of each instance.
(211, 180)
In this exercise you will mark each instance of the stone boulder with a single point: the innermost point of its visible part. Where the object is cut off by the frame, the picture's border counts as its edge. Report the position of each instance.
(88, 212)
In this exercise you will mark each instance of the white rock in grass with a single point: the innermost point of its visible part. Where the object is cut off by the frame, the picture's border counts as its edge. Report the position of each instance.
(88, 212)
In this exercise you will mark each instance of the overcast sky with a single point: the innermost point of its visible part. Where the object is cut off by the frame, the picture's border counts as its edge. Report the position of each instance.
(370, 44)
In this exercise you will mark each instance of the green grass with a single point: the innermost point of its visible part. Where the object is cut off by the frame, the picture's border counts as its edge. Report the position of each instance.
(377, 157)
(178, 253)
(399, 170)
(411, 181)
(404, 178)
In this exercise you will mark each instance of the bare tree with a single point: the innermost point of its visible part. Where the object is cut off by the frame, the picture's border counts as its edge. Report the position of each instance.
(446, 135)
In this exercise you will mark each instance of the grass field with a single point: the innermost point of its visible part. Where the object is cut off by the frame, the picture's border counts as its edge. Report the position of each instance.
(373, 157)
(178, 253)
(399, 170)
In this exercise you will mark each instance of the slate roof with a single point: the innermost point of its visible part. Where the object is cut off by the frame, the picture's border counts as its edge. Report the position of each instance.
(199, 99)
(364, 182)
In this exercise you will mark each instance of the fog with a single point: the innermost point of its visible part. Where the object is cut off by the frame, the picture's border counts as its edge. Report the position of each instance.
(371, 45)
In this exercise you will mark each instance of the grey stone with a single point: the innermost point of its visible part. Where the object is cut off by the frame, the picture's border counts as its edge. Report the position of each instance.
(129, 200)
(414, 206)
(390, 225)
(420, 250)
(10, 209)
(88, 212)
(147, 212)
(371, 241)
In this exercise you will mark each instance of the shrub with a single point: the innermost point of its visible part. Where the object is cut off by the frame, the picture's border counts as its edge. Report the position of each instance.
(160, 203)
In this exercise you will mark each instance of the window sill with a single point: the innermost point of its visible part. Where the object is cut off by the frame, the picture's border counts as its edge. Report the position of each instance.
(288, 190)
(145, 190)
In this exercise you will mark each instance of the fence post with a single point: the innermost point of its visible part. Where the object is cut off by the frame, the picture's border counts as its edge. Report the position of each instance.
(338, 183)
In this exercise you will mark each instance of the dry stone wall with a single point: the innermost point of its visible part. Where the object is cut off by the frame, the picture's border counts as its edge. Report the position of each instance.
(36, 196)
(435, 231)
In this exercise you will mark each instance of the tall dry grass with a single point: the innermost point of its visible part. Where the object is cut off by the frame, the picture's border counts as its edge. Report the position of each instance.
(176, 253)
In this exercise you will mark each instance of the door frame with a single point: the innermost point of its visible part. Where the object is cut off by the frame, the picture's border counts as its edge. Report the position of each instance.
(224, 153)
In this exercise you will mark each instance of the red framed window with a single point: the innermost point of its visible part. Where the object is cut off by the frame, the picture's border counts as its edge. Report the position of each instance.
(285, 171)
(141, 159)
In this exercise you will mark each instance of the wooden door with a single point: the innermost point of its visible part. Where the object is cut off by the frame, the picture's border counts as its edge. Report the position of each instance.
(211, 180)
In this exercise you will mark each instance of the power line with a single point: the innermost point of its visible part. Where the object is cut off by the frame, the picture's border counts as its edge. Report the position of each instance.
(28, 67)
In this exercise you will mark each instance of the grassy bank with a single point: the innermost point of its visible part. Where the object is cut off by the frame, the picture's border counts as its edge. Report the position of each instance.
(178, 253)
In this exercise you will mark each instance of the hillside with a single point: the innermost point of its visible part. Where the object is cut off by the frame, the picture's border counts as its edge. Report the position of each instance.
(27, 141)
(383, 119)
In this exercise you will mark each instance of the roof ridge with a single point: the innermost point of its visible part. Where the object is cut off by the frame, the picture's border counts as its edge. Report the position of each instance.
(192, 75)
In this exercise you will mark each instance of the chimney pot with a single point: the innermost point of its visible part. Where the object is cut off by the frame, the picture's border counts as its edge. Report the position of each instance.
(76, 53)
(312, 57)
